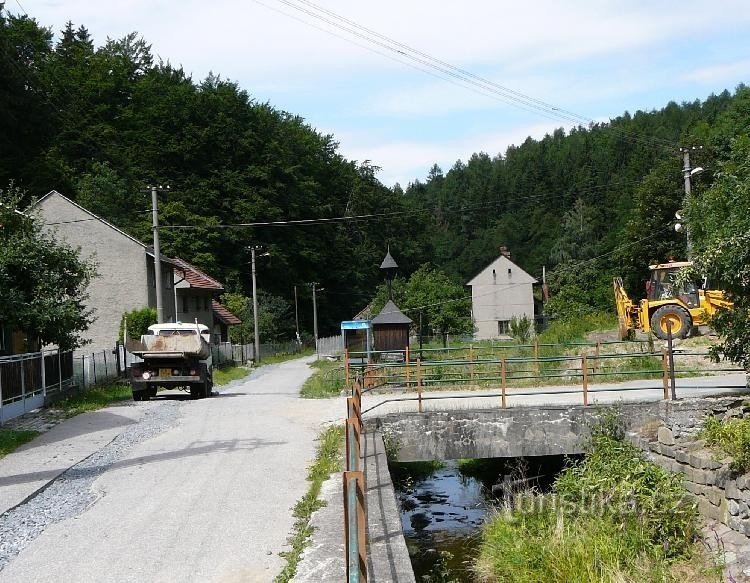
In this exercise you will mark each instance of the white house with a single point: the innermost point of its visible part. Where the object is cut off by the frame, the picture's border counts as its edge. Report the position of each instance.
(499, 292)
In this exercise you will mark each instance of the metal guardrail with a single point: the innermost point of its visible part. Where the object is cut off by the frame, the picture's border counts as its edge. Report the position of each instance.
(355, 536)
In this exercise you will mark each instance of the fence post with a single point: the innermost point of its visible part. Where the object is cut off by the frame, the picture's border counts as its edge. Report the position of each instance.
(93, 366)
(471, 363)
(408, 368)
(44, 376)
(419, 382)
(536, 356)
(354, 526)
(346, 369)
(585, 371)
(23, 379)
(59, 369)
(671, 359)
(502, 381)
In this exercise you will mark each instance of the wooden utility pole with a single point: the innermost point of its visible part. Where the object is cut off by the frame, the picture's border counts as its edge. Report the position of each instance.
(315, 318)
(687, 173)
(255, 308)
(158, 283)
(296, 315)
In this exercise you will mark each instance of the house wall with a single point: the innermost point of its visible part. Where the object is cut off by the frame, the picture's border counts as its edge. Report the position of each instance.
(200, 310)
(122, 281)
(500, 297)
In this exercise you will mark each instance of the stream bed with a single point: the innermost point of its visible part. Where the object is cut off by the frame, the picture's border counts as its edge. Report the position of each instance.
(444, 505)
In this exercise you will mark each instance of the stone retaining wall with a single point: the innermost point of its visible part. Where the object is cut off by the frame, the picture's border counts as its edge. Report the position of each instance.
(673, 444)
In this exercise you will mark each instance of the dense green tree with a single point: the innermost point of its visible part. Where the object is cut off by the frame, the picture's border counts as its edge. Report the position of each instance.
(43, 280)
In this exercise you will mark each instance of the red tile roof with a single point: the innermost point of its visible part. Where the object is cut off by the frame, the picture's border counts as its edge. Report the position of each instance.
(223, 314)
(195, 277)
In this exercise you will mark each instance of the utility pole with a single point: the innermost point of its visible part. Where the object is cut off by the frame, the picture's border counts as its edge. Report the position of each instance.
(157, 253)
(315, 319)
(296, 314)
(255, 308)
(687, 173)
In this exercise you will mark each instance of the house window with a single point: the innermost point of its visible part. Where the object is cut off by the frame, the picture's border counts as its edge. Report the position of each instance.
(503, 327)
(185, 304)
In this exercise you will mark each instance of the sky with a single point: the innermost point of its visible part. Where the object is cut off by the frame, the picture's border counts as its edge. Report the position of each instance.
(595, 58)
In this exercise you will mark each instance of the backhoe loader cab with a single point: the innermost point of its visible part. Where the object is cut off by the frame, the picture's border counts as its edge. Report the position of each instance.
(667, 302)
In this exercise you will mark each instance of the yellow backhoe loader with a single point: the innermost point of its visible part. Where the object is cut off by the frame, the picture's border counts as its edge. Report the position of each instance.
(684, 306)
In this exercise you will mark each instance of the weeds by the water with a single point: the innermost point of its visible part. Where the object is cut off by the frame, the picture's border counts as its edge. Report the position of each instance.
(94, 398)
(731, 438)
(329, 459)
(11, 439)
(613, 517)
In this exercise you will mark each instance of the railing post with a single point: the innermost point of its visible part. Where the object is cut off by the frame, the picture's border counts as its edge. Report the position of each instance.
(502, 381)
(671, 359)
(471, 363)
(536, 356)
(346, 369)
(59, 369)
(585, 371)
(408, 368)
(419, 382)
(43, 375)
(665, 373)
(354, 527)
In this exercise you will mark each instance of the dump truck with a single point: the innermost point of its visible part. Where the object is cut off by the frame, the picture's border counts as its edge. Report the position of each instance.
(683, 305)
(173, 356)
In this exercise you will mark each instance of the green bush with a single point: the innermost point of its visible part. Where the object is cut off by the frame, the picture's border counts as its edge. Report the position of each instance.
(574, 329)
(732, 438)
(521, 329)
(138, 321)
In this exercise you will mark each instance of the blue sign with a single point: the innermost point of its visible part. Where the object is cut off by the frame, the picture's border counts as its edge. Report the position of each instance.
(356, 325)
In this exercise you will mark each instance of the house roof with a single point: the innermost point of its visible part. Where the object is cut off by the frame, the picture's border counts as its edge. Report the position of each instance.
(222, 314)
(93, 216)
(390, 314)
(195, 277)
(522, 277)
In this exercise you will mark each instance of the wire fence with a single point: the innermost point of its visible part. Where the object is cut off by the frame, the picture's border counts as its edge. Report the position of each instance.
(28, 381)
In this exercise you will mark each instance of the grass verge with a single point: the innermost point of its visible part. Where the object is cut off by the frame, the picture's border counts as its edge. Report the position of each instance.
(93, 399)
(613, 517)
(329, 459)
(327, 381)
(11, 439)
(277, 358)
(227, 374)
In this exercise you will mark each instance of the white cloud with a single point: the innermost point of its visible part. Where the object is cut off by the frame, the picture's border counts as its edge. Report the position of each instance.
(405, 161)
(719, 72)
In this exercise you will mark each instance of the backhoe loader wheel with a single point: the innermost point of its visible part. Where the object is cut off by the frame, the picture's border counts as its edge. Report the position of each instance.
(679, 317)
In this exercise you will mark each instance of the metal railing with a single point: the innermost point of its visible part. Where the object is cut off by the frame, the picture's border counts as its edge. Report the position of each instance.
(355, 535)
(27, 380)
(526, 372)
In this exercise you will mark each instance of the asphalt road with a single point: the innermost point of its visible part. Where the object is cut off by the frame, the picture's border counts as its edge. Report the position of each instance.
(208, 499)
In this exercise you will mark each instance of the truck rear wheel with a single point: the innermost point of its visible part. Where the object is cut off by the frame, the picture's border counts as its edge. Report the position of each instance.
(196, 390)
(677, 316)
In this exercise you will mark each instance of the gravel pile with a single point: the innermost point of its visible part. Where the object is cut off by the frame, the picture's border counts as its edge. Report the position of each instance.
(70, 494)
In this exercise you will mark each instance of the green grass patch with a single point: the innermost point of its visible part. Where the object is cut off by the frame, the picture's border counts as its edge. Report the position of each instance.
(575, 329)
(94, 399)
(11, 439)
(730, 438)
(277, 358)
(612, 517)
(327, 381)
(227, 374)
(329, 459)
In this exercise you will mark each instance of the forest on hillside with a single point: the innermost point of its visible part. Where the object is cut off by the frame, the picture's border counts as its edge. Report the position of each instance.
(101, 123)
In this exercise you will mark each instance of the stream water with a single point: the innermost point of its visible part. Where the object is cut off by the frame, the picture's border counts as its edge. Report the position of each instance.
(443, 507)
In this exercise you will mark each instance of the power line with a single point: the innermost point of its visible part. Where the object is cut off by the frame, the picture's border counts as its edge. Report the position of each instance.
(474, 81)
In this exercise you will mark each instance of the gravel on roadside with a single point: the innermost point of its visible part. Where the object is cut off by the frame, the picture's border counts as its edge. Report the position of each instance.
(71, 493)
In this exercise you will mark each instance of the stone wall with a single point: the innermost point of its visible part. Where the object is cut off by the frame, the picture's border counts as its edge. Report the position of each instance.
(673, 444)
